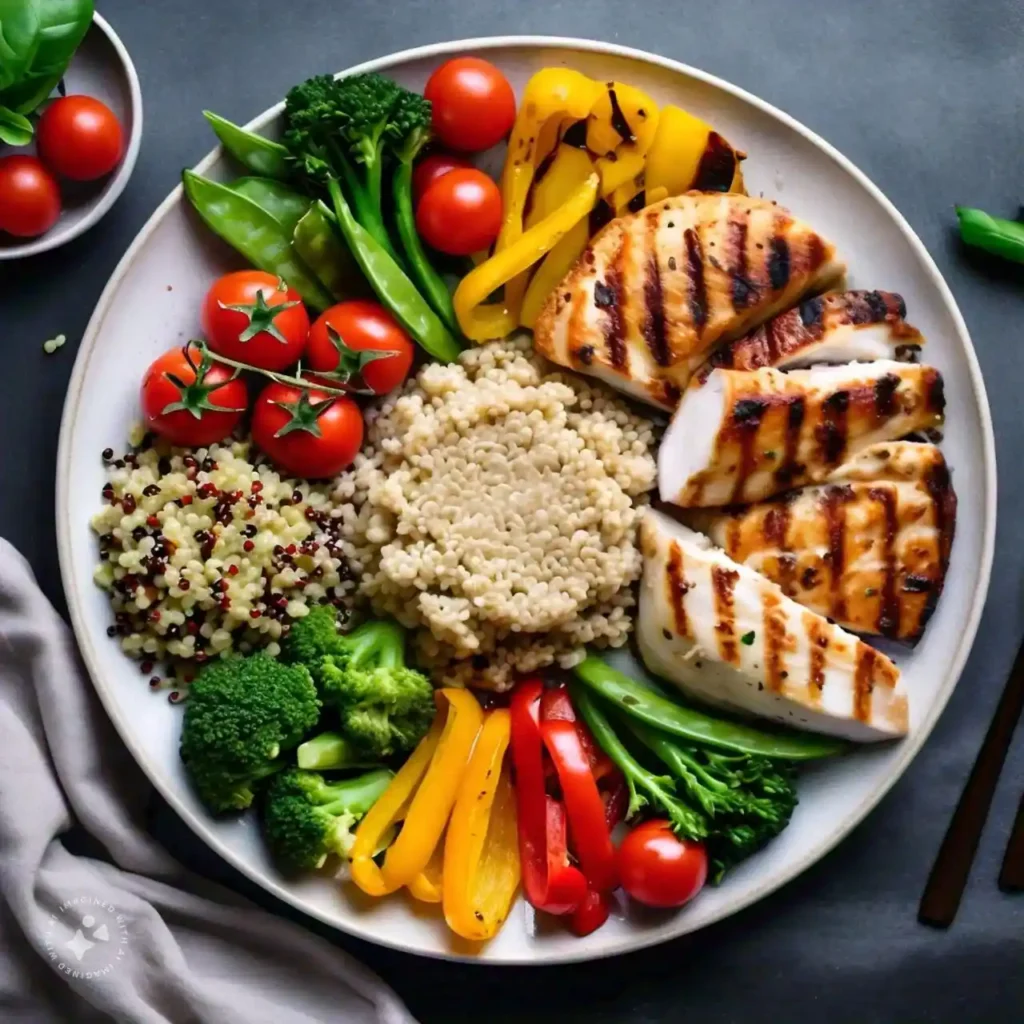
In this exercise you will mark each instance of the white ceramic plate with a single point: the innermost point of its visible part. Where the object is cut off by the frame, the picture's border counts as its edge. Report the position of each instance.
(101, 68)
(152, 303)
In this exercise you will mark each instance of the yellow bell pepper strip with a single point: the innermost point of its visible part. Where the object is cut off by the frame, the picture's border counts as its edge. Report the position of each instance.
(481, 853)
(428, 813)
(687, 153)
(389, 810)
(426, 886)
(482, 323)
(621, 128)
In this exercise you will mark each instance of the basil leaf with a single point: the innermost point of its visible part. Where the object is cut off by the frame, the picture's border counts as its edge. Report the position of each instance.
(19, 37)
(62, 27)
(15, 128)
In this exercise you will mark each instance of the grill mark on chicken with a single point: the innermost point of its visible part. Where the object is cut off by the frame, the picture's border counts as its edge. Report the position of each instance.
(717, 166)
(789, 467)
(608, 298)
(812, 311)
(695, 276)
(778, 263)
(864, 682)
(817, 645)
(654, 299)
(889, 612)
(940, 490)
(744, 291)
(774, 642)
(577, 318)
(776, 527)
(935, 391)
(834, 509)
(747, 414)
(723, 582)
(832, 432)
(677, 589)
(885, 395)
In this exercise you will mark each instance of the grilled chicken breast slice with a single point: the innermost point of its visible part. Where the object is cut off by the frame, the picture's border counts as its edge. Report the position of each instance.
(840, 327)
(749, 434)
(869, 548)
(726, 635)
(657, 290)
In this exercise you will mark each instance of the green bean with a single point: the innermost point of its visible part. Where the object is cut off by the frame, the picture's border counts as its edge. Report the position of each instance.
(261, 156)
(393, 288)
(993, 234)
(319, 247)
(647, 705)
(421, 270)
(254, 233)
(284, 204)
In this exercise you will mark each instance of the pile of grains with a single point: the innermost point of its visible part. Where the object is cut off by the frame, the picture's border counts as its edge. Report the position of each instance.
(204, 552)
(494, 509)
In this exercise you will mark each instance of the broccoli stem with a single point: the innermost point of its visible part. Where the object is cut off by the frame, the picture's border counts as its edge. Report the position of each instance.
(685, 821)
(421, 270)
(355, 796)
(329, 751)
(380, 643)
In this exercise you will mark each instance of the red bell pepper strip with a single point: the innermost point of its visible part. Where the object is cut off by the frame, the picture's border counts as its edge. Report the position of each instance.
(616, 799)
(551, 883)
(591, 913)
(591, 839)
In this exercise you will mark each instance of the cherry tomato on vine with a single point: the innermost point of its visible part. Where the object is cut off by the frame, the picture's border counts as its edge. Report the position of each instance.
(362, 346)
(307, 433)
(432, 167)
(191, 400)
(460, 213)
(474, 107)
(29, 197)
(255, 318)
(659, 869)
(80, 138)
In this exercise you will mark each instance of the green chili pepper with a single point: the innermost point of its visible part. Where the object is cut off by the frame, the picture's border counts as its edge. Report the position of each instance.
(647, 705)
(318, 246)
(393, 288)
(254, 233)
(262, 156)
(284, 204)
(421, 270)
(993, 234)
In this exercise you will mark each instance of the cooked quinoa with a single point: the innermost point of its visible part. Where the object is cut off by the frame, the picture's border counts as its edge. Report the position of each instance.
(204, 551)
(495, 507)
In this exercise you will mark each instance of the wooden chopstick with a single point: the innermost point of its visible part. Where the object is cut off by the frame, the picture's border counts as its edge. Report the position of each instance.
(1011, 876)
(948, 877)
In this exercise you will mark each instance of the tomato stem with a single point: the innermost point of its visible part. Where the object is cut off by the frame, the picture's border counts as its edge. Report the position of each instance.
(280, 378)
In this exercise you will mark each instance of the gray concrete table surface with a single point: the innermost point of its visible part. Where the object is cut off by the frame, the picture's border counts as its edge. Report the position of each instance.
(926, 98)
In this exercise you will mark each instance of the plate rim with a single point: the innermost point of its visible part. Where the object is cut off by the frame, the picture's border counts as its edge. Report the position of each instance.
(910, 745)
(118, 183)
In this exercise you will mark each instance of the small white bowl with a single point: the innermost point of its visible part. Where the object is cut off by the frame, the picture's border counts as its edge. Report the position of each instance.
(103, 69)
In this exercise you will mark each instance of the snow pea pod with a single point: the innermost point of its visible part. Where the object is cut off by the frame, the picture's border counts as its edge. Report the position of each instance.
(319, 247)
(261, 156)
(645, 704)
(251, 230)
(996, 235)
(393, 288)
(284, 204)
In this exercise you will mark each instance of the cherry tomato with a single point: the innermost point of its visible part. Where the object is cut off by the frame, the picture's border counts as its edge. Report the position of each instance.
(308, 434)
(255, 318)
(659, 869)
(460, 213)
(362, 345)
(29, 197)
(204, 405)
(432, 167)
(80, 138)
(474, 107)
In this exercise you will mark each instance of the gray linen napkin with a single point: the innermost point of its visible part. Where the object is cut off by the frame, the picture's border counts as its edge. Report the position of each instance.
(137, 938)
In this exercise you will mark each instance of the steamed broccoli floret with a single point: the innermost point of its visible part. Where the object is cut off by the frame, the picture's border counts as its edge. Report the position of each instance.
(409, 130)
(336, 132)
(385, 706)
(242, 713)
(311, 638)
(306, 818)
(747, 800)
(330, 751)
